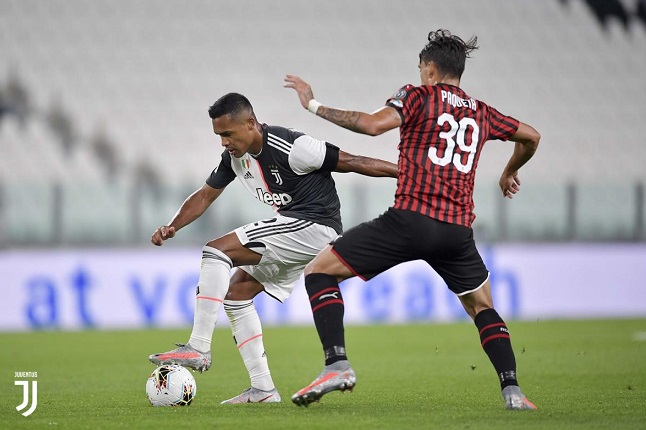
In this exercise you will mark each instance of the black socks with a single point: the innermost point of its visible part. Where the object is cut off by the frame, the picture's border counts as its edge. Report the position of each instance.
(328, 308)
(495, 340)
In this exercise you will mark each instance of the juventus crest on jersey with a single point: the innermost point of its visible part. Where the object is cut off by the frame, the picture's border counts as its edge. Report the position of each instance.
(291, 173)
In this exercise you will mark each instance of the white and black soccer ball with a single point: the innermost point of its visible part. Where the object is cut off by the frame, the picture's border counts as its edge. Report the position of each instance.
(171, 385)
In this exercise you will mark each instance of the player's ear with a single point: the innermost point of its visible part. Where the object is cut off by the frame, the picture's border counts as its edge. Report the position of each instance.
(432, 72)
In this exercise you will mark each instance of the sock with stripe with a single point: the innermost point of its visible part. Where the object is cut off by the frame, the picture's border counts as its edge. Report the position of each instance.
(328, 309)
(495, 340)
(247, 334)
(211, 290)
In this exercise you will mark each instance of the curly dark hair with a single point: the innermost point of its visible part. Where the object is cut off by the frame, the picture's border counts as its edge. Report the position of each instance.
(448, 52)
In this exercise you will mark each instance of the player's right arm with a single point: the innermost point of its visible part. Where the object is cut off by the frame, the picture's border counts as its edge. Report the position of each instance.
(526, 141)
(373, 124)
(192, 208)
(195, 205)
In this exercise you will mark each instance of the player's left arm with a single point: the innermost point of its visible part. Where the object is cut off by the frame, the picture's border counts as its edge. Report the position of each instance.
(373, 124)
(526, 140)
(365, 165)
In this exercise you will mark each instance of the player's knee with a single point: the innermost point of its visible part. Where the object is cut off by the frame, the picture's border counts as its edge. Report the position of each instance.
(223, 246)
(243, 286)
(309, 269)
(216, 245)
(238, 294)
(316, 266)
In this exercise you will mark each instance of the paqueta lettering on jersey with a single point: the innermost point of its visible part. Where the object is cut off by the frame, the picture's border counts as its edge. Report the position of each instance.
(442, 133)
(292, 173)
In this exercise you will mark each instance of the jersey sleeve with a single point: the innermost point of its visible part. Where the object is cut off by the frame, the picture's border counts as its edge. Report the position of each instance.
(501, 127)
(223, 174)
(309, 154)
(405, 101)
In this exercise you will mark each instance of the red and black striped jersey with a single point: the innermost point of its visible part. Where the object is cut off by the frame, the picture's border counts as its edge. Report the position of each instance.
(442, 133)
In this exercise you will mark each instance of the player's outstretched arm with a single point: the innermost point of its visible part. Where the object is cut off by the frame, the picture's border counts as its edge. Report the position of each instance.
(372, 124)
(526, 141)
(365, 165)
(192, 208)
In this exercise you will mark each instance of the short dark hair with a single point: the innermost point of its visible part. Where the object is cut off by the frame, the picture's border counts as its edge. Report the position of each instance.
(230, 104)
(448, 52)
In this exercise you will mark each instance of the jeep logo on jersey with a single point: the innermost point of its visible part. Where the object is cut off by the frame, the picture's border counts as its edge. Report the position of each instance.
(275, 199)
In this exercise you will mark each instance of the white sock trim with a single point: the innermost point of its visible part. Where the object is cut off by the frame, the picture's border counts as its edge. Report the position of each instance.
(216, 254)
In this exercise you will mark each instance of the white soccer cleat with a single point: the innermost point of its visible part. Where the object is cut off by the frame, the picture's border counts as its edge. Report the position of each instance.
(254, 395)
(185, 356)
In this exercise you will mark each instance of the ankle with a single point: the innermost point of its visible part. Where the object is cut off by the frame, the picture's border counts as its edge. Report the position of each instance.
(199, 345)
(340, 365)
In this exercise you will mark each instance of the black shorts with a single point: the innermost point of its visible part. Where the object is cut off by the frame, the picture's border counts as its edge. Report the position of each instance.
(399, 236)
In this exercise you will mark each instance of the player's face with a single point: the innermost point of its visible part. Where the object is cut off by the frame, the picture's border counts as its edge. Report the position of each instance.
(237, 133)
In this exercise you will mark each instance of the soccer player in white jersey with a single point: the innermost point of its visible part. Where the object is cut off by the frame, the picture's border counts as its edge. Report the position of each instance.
(290, 171)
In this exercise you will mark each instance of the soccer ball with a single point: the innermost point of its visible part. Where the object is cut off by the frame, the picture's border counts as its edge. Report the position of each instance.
(171, 385)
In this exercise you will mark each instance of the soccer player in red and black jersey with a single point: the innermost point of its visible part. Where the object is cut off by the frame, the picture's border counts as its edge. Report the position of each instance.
(442, 131)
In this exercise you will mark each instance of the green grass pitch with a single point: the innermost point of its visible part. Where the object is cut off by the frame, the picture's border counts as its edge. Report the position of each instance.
(581, 375)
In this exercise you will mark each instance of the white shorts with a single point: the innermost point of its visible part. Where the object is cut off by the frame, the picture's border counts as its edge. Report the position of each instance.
(286, 245)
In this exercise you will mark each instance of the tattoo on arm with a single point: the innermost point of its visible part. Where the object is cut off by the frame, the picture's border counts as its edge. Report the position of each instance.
(344, 118)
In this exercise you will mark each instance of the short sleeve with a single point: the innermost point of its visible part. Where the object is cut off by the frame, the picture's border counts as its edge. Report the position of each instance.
(223, 174)
(501, 127)
(309, 154)
(403, 100)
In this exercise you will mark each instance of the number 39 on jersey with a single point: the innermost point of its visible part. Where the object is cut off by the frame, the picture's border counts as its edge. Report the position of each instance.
(465, 134)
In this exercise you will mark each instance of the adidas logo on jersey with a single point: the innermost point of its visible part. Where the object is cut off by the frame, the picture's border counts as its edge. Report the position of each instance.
(248, 175)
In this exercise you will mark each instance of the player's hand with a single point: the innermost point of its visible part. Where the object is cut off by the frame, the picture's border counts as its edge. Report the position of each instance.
(301, 87)
(161, 234)
(509, 184)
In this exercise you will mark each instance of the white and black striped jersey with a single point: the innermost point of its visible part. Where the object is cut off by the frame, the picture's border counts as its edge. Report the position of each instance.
(292, 173)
